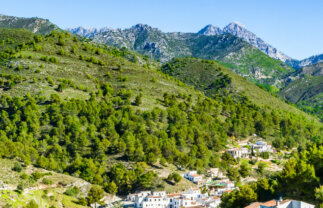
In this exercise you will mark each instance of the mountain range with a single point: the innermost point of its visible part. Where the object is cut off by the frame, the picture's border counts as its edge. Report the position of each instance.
(231, 51)
(234, 46)
(235, 28)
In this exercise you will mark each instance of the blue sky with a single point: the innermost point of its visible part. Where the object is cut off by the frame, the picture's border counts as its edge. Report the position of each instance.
(293, 26)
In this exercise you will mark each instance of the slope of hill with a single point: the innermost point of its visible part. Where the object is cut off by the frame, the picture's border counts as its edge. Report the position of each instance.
(34, 24)
(19, 185)
(213, 79)
(305, 88)
(103, 114)
(243, 58)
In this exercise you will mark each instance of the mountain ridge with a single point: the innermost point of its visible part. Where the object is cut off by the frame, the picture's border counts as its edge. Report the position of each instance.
(236, 53)
(234, 28)
(34, 24)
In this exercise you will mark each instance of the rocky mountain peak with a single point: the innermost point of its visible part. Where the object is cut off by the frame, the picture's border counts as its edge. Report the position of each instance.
(142, 27)
(236, 28)
(239, 30)
(236, 24)
(210, 30)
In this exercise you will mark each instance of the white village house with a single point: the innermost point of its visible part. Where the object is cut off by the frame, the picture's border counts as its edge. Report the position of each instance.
(193, 176)
(238, 152)
(260, 146)
(192, 198)
(280, 204)
(215, 173)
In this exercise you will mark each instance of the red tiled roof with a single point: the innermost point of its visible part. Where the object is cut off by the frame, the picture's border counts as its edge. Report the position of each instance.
(173, 195)
(270, 203)
(253, 205)
(154, 197)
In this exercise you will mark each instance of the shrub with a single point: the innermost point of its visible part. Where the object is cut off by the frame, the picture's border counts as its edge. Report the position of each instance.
(31, 204)
(61, 52)
(108, 74)
(154, 80)
(82, 201)
(123, 79)
(50, 81)
(36, 175)
(74, 191)
(138, 100)
(163, 162)
(53, 60)
(24, 176)
(21, 187)
(61, 42)
(44, 58)
(19, 67)
(17, 167)
(61, 87)
(47, 181)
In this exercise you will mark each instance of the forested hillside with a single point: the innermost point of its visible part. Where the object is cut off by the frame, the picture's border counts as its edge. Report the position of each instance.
(305, 89)
(70, 106)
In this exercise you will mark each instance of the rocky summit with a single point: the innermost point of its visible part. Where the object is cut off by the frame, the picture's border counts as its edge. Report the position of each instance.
(210, 43)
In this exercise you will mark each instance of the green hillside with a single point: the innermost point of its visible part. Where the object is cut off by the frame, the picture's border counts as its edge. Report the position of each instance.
(103, 114)
(46, 188)
(257, 67)
(215, 80)
(305, 89)
(34, 24)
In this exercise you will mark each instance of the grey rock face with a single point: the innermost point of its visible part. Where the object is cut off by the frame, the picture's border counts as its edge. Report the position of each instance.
(234, 28)
(240, 31)
(34, 24)
(210, 30)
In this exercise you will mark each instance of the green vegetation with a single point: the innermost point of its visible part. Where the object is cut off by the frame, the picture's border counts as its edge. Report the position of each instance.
(257, 67)
(174, 177)
(23, 188)
(217, 81)
(95, 195)
(300, 179)
(34, 24)
(72, 118)
(306, 91)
